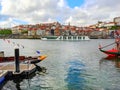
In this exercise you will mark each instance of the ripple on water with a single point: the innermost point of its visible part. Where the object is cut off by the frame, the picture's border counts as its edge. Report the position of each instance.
(74, 78)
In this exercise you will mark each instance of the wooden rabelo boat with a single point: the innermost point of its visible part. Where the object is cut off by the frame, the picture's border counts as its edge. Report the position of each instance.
(31, 59)
(115, 51)
(112, 52)
(28, 59)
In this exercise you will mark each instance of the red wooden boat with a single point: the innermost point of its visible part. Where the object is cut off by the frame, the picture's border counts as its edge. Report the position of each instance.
(23, 58)
(112, 52)
(31, 59)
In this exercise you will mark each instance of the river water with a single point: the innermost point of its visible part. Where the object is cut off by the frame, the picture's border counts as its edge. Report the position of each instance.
(70, 65)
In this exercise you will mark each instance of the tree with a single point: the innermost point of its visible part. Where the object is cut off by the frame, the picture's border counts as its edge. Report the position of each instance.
(114, 28)
(5, 32)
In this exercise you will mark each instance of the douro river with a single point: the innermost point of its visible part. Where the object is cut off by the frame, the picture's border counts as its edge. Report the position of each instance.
(70, 65)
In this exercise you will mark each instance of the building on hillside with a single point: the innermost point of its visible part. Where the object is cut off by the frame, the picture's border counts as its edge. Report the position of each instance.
(101, 24)
(57, 31)
(16, 30)
(105, 24)
(67, 30)
(93, 26)
(40, 32)
(31, 31)
(62, 29)
(73, 30)
(109, 24)
(117, 21)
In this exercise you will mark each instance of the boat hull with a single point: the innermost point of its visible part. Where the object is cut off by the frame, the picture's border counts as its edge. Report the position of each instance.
(2, 76)
(37, 60)
(2, 79)
(112, 52)
(23, 58)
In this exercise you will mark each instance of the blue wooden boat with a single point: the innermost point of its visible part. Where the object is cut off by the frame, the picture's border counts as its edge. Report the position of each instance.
(2, 76)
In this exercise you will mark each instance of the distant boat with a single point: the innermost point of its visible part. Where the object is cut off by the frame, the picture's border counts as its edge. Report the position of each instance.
(65, 38)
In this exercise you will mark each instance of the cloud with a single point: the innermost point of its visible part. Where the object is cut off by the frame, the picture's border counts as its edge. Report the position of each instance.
(33, 11)
(37, 11)
(9, 22)
(102, 9)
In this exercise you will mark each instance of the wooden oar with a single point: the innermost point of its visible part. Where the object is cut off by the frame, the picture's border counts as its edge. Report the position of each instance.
(107, 45)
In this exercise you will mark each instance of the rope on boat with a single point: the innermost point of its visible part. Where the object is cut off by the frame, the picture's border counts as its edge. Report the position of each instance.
(107, 45)
(20, 45)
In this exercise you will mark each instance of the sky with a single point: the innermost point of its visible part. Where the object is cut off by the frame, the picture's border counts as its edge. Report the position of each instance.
(75, 12)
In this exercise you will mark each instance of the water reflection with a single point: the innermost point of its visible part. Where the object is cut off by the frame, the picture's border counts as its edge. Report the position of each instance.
(114, 60)
(74, 79)
(110, 73)
(66, 70)
(15, 83)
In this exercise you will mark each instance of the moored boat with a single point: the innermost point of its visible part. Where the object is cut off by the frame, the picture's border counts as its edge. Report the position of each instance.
(112, 52)
(2, 76)
(36, 59)
(23, 58)
(66, 38)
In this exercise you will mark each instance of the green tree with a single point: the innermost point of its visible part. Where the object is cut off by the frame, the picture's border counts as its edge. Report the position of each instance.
(114, 27)
(5, 32)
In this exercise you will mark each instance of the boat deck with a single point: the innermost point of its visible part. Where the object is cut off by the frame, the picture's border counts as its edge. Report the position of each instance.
(2, 73)
(5, 70)
(23, 67)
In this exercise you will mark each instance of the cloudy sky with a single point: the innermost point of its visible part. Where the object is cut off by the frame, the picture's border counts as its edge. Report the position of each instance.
(77, 12)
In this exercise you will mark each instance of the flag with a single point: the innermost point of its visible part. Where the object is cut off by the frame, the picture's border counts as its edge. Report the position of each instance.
(22, 46)
(38, 52)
